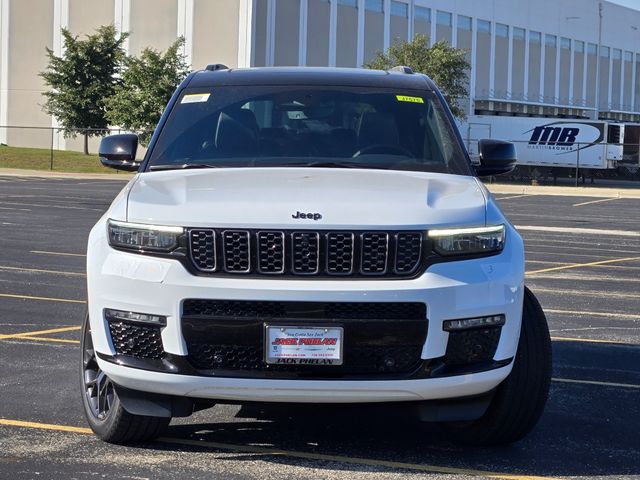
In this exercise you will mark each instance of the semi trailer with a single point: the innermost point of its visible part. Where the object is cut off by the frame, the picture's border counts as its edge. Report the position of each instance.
(559, 143)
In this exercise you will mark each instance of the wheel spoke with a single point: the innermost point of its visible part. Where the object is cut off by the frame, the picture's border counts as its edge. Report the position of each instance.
(98, 389)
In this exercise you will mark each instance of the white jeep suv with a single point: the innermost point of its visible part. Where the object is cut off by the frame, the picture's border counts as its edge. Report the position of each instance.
(310, 235)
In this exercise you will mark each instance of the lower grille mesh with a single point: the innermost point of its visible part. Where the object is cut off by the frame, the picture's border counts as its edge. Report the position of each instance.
(227, 336)
(472, 346)
(136, 340)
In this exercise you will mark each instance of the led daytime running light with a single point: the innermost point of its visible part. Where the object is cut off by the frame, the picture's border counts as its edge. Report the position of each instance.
(145, 226)
(112, 314)
(448, 232)
(469, 323)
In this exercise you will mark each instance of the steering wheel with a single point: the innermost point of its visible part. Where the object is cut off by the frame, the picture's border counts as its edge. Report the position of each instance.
(382, 148)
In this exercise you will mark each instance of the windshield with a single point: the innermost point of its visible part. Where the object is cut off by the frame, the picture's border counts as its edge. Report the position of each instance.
(335, 127)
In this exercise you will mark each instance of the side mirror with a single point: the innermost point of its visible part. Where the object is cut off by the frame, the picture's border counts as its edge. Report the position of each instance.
(119, 152)
(496, 157)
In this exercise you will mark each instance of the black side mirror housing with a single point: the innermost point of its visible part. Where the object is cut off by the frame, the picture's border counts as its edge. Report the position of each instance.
(119, 152)
(496, 157)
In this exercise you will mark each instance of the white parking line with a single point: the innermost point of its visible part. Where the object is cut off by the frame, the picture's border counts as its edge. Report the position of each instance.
(595, 201)
(585, 231)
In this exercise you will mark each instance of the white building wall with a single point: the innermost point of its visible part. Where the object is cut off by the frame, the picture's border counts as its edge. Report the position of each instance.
(505, 71)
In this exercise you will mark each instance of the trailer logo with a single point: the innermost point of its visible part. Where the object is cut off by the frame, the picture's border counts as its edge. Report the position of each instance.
(560, 136)
(565, 137)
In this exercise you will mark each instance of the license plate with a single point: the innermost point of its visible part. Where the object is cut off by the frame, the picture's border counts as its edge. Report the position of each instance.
(303, 345)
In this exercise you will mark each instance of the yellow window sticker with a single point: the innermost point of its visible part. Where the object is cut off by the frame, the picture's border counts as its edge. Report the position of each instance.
(195, 98)
(405, 98)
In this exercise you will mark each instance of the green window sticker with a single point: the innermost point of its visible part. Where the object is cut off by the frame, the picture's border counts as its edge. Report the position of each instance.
(405, 98)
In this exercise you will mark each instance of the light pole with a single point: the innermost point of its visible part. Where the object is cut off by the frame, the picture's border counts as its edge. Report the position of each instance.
(597, 110)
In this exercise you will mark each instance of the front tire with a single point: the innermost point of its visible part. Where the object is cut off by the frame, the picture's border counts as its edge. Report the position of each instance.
(520, 399)
(104, 412)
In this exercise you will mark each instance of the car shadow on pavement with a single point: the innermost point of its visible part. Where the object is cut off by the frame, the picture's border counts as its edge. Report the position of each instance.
(584, 432)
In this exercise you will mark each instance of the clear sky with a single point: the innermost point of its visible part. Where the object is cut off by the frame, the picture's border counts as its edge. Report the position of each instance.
(628, 3)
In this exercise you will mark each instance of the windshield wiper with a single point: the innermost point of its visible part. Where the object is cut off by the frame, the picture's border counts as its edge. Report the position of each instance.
(323, 164)
(184, 166)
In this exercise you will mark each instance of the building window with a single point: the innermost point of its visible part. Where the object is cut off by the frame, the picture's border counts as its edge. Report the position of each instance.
(502, 30)
(518, 33)
(579, 46)
(399, 9)
(592, 48)
(550, 40)
(535, 37)
(484, 26)
(348, 3)
(617, 54)
(374, 5)
(565, 43)
(604, 52)
(464, 23)
(628, 57)
(422, 13)
(443, 18)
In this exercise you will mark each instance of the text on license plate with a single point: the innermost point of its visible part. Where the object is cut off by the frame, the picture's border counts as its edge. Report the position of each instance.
(303, 345)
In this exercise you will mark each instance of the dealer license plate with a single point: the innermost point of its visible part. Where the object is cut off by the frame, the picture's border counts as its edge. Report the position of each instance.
(303, 345)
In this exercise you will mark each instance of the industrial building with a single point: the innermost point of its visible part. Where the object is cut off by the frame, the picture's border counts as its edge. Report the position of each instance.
(569, 58)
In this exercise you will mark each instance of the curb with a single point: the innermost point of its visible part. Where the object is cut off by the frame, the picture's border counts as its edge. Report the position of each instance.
(15, 172)
(603, 192)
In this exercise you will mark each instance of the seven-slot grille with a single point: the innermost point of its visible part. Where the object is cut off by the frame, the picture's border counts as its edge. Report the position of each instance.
(308, 252)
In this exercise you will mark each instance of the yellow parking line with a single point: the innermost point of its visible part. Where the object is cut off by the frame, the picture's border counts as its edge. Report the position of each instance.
(595, 201)
(38, 270)
(293, 453)
(49, 299)
(44, 426)
(47, 339)
(592, 340)
(43, 252)
(38, 332)
(630, 316)
(593, 382)
(590, 264)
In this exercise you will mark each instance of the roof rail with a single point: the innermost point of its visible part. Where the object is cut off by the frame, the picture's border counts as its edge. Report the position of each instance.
(401, 69)
(214, 67)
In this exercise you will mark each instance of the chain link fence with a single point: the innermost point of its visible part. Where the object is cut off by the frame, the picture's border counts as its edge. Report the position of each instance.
(557, 163)
(605, 164)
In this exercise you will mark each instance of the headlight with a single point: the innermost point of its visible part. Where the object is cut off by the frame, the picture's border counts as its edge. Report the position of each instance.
(468, 241)
(142, 237)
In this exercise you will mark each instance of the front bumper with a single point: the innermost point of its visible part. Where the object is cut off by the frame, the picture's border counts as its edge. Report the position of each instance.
(452, 290)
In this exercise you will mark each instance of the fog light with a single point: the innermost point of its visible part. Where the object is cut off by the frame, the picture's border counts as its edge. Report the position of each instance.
(134, 317)
(477, 322)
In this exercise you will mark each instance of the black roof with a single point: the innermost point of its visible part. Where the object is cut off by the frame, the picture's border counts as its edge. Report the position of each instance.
(310, 76)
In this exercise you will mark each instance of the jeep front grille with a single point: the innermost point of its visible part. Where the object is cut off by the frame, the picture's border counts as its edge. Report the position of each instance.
(306, 252)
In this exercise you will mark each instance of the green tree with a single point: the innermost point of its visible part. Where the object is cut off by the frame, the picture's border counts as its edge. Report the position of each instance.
(147, 84)
(447, 66)
(82, 79)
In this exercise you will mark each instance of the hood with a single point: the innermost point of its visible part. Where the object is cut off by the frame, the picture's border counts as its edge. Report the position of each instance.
(336, 198)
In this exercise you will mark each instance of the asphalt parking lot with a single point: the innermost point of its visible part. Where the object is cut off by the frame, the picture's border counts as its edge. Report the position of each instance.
(583, 263)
